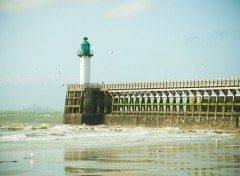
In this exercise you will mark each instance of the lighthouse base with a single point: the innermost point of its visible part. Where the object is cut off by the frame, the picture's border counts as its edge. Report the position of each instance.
(86, 106)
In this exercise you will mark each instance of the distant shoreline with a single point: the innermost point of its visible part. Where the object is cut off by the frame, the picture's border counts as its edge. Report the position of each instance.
(37, 108)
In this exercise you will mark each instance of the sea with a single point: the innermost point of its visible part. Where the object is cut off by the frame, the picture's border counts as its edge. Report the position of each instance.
(39, 144)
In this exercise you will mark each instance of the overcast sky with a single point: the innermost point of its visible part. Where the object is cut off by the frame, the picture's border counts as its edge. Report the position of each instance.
(133, 41)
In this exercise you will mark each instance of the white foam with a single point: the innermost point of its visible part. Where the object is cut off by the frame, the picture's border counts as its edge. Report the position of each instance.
(13, 138)
(87, 135)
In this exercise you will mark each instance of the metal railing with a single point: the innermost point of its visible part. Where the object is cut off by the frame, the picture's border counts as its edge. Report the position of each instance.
(175, 84)
(79, 53)
(235, 82)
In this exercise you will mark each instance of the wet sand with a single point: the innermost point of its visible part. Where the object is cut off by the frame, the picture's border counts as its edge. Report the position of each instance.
(71, 158)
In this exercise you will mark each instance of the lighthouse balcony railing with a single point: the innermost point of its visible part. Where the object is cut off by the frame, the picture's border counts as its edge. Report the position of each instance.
(91, 85)
(89, 52)
(83, 86)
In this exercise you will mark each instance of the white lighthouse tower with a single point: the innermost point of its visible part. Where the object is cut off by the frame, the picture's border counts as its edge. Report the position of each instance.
(85, 55)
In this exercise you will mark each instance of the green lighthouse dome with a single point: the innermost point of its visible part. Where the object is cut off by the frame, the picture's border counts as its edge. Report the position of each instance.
(85, 48)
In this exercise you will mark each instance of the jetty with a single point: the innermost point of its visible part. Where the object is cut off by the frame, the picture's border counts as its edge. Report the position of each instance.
(196, 104)
(208, 104)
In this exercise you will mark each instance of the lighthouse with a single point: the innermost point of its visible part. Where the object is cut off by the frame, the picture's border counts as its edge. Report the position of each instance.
(85, 55)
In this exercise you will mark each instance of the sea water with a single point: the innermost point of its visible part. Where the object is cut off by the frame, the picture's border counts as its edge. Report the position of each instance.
(39, 144)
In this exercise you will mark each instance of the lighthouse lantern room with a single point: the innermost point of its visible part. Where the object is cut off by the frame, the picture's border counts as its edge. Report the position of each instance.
(85, 55)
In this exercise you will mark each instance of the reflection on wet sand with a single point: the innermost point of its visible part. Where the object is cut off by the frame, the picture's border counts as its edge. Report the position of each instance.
(198, 159)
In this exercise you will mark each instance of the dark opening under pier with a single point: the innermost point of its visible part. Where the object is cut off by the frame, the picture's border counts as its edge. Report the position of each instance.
(201, 104)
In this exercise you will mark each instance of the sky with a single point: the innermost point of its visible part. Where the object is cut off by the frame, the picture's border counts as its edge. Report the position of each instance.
(132, 40)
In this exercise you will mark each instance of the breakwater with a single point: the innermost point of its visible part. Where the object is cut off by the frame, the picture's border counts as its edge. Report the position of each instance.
(201, 104)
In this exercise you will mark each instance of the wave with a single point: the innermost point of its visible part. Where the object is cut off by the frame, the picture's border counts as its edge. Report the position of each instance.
(9, 128)
(101, 134)
(29, 127)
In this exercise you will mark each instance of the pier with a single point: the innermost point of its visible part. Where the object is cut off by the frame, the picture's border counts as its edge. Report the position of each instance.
(164, 103)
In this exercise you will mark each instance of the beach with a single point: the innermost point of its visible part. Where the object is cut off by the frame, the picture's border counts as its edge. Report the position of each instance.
(43, 146)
